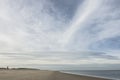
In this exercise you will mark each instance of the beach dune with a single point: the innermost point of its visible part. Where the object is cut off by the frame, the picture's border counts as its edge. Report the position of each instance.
(41, 75)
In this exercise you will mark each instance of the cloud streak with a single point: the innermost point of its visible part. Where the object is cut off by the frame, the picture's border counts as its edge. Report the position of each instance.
(82, 14)
(71, 58)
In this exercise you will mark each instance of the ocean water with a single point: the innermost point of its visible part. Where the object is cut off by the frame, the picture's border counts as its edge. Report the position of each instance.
(109, 74)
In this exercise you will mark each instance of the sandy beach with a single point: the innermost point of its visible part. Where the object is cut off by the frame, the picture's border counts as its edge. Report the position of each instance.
(41, 75)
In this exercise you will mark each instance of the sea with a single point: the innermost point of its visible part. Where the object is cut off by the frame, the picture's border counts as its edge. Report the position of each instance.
(108, 74)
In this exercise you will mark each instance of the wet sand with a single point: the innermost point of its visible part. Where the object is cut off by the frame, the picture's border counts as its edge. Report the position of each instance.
(41, 75)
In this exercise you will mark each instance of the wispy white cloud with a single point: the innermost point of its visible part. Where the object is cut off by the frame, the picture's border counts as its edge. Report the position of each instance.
(102, 24)
(30, 28)
(82, 14)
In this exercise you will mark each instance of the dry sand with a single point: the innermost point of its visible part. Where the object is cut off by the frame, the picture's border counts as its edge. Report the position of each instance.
(41, 75)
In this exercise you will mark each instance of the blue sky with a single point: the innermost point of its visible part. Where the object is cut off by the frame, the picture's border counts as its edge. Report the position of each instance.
(60, 32)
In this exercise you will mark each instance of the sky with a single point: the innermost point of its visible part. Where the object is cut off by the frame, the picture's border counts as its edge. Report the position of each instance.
(60, 34)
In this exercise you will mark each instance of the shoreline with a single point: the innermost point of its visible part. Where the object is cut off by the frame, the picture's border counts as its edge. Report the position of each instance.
(43, 75)
(88, 75)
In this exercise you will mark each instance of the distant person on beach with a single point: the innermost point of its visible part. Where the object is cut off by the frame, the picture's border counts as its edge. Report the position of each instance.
(7, 68)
